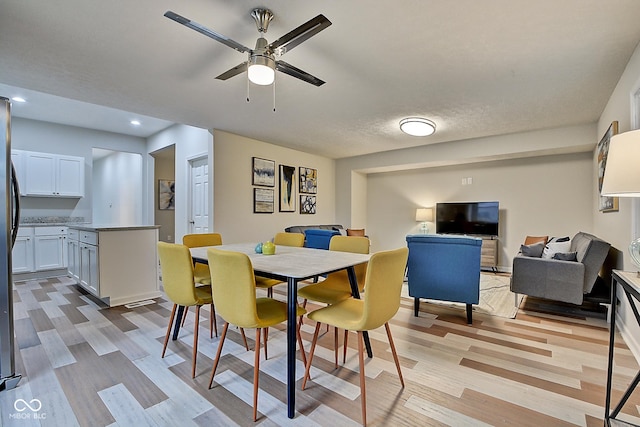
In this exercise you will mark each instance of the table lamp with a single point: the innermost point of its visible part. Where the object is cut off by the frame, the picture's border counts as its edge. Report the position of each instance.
(424, 215)
(622, 174)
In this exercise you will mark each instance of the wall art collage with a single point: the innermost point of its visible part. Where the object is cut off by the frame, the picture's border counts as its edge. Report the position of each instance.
(291, 181)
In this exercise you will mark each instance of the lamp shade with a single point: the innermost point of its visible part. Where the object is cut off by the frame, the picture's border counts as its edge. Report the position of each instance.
(424, 214)
(262, 70)
(622, 169)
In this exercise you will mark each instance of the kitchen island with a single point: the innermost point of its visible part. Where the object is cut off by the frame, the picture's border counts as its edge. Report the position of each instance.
(117, 264)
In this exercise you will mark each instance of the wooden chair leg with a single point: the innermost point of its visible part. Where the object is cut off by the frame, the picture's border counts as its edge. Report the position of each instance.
(393, 351)
(363, 393)
(265, 333)
(313, 347)
(256, 375)
(166, 337)
(184, 316)
(219, 352)
(195, 342)
(244, 338)
(304, 305)
(335, 347)
(304, 356)
(344, 351)
(212, 320)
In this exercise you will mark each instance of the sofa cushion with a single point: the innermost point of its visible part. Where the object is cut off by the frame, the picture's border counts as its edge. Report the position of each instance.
(556, 244)
(591, 252)
(565, 256)
(303, 228)
(532, 250)
(530, 240)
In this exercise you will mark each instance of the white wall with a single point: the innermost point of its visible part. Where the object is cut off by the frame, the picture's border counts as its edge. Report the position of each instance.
(233, 189)
(47, 137)
(190, 143)
(617, 227)
(117, 189)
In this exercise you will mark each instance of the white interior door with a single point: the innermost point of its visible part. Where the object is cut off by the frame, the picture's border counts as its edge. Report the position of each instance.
(199, 209)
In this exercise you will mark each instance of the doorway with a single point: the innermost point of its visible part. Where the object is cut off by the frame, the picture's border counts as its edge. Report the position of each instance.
(165, 171)
(198, 221)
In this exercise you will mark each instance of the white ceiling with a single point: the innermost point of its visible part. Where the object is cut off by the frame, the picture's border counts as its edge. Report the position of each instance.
(476, 68)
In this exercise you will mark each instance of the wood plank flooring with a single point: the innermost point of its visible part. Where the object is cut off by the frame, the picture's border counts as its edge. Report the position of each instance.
(87, 365)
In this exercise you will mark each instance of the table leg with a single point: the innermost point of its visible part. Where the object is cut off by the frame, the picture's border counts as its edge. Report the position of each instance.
(353, 281)
(292, 304)
(612, 336)
(176, 327)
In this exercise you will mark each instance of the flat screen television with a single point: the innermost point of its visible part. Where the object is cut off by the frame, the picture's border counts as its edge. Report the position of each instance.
(475, 218)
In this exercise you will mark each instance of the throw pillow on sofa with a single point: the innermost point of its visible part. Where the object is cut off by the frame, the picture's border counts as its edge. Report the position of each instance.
(534, 250)
(556, 244)
(566, 256)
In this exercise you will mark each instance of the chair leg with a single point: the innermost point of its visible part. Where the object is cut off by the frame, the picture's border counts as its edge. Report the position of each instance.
(304, 356)
(184, 316)
(335, 347)
(265, 333)
(416, 306)
(344, 352)
(313, 347)
(166, 337)
(469, 310)
(195, 342)
(304, 305)
(256, 375)
(363, 393)
(270, 292)
(212, 320)
(219, 352)
(244, 338)
(394, 352)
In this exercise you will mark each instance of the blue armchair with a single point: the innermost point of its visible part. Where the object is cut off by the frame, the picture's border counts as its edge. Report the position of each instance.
(319, 238)
(445, 268)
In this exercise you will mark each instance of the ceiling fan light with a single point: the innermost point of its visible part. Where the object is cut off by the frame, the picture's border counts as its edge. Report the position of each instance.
(262, 70)
(417, 126)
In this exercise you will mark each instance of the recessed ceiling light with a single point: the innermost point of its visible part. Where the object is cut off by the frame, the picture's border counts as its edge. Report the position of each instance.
(135, 122)
(417, 126)
(18, 99)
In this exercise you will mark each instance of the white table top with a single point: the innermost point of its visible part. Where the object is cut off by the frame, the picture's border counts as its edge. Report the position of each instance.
(298, 263)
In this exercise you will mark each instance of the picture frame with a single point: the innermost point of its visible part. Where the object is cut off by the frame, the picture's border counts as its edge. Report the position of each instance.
(308, 180)
(166, 194)
(606, 203)
(287, 188)
(263, 200)
(264, 172)
(307, 204)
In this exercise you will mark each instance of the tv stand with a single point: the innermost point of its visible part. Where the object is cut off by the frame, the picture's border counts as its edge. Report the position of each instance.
(489, 253)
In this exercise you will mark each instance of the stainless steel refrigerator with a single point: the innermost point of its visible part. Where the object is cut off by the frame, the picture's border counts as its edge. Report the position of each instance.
(9, 218)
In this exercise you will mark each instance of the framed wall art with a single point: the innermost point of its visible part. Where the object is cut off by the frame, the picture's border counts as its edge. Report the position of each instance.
(287, 188)
(166, 194)
(264, 172)
(262, 200)
(308, 180)
(606, 204)
(307, 204)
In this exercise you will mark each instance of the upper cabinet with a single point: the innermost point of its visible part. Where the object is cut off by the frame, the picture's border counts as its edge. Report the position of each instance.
(49, 175)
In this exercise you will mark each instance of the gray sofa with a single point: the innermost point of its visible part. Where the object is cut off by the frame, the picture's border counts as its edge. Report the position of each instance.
(303, 228)
(567, 281)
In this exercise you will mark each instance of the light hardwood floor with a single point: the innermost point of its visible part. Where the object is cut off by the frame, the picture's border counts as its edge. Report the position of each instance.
(92, 366)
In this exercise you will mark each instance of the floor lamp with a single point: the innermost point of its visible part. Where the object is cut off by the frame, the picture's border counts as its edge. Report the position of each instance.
(622, 175)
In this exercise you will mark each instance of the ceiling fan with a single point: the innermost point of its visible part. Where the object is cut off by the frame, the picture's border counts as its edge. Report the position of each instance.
(264, 59)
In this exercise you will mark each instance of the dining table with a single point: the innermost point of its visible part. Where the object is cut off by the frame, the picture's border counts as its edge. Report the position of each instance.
(293, 265)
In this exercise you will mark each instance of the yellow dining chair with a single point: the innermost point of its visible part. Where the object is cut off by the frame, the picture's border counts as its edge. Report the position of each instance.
(280, 239)
(380, 303)
(336, 287)
(233, 283)
(201, 271)
(178, 283)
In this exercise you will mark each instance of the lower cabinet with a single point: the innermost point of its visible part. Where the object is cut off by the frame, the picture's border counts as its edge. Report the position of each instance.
(39, 249)
(117, 265)
(489, 253)
(22, 255)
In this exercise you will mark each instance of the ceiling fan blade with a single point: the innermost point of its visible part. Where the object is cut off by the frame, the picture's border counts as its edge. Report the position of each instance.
(298, 73)
(238, 69)
(207, 32)
(296, 36)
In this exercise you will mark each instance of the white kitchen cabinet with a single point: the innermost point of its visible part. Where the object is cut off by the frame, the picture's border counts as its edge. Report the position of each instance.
(73, 255)
(52, 175)
(89, 264)
(17, 158)
(119, 265)
(22, 256)
(50, 248)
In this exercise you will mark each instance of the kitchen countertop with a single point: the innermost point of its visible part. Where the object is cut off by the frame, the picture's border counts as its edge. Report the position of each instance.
(110, 227)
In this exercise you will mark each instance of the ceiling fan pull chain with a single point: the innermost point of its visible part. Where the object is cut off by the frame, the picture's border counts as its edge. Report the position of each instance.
(274, 95)
(247, 87)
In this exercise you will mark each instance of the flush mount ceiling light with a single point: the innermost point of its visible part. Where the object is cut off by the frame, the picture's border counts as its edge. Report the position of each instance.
(18, 99)
(417, 126)
(262, 67)
(135, 122)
